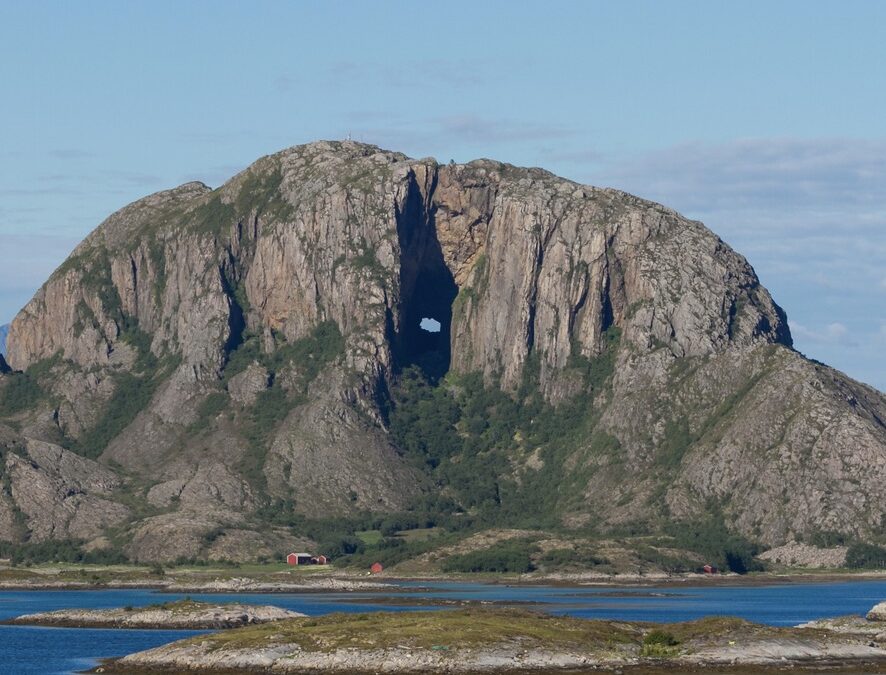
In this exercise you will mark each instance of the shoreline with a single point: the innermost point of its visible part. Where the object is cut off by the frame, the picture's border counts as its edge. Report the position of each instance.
(270, 583)
(178, 615)
(824, 667)
(475, 640)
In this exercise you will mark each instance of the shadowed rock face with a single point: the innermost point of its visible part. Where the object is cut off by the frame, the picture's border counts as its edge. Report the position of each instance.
(519, 266)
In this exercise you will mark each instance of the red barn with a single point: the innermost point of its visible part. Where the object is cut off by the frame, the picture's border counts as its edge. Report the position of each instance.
(376, 568)
(709, 569)
(319, 560)
(298, 559)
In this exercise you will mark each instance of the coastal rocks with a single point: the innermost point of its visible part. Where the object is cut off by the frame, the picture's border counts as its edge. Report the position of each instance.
(483, 640)
(172, 615)
(877, 613)
(246, 585)
(872, 625)
(788, 651)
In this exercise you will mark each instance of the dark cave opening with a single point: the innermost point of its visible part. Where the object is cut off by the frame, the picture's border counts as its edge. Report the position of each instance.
(431, 297)
(236, 318)
(427, 292)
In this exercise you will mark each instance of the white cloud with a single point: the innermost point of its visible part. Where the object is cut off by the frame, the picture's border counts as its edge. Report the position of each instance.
(810, 216)
(795, 183)
(831, 333)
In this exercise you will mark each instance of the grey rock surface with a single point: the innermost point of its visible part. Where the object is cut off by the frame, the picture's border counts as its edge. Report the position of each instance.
(522, 267)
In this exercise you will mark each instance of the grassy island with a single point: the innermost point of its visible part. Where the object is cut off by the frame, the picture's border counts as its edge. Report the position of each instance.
(500, 640)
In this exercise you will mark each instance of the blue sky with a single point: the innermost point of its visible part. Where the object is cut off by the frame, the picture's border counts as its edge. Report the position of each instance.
(765, 120)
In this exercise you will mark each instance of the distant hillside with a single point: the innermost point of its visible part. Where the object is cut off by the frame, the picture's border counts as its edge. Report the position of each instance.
(227, 373)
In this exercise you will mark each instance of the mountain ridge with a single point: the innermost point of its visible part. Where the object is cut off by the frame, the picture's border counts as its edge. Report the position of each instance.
(258, 345)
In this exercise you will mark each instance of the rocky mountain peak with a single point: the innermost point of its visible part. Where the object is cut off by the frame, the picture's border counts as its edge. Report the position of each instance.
(250, 340)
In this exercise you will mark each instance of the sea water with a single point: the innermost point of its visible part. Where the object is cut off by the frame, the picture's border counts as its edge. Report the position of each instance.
(25, 650)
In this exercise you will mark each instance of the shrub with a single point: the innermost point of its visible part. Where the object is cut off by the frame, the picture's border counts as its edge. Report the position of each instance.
(20, 393)
(667, 562)
(131, 395)
(660, 637)
(828, 539)
(568, 557)
(59, 550)
(508, 556)
(712, 539)
(341, 546)
(659, 644)
(209, 409)
(391, 551)
(866, 556)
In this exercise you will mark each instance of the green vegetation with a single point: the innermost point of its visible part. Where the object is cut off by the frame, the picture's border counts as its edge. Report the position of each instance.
(507, 556)
(311, 353)
(432, 630)
(369, 537)
(828, 539)
(270, 408)
(659, 643)
(209, 409)
(58, 550)
(248, 352)
(23, 390)
(866, 556)
(675, 444)
(713, 540)
(133, 391)
(579, 557)
(131, 395)
(19, 393)
(303, 359)
(467, 435)
(212, 215)
(457, 631)
(671, 563)
(260, 194)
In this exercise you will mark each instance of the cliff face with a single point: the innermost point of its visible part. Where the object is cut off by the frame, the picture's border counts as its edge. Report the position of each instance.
(223, 347)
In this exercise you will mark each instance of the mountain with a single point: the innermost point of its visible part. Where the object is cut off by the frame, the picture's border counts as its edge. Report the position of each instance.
(3, 332)
(218, 373)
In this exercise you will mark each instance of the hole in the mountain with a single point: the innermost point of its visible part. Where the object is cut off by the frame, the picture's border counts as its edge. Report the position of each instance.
(426, 318)
(429, 324)
(427, 293)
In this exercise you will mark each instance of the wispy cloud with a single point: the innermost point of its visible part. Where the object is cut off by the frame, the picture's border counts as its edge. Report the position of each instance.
(455, 131)
(810, 215)
(476, 128)
(71, 153)
(831, 333)
(831, 177)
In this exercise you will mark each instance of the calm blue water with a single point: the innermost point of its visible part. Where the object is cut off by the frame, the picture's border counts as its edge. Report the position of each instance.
(25, 650)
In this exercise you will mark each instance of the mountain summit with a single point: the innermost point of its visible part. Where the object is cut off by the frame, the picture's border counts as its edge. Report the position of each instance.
(211, 371)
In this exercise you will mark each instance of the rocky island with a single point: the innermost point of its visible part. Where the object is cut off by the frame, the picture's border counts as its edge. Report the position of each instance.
(181, 614)
(486, 640)
(236, 373)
